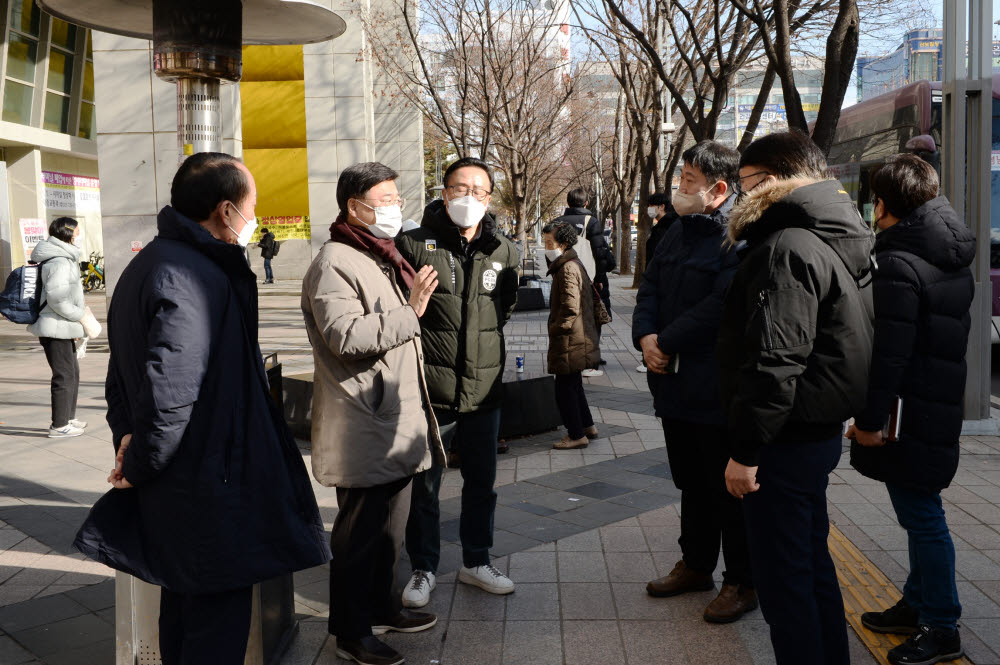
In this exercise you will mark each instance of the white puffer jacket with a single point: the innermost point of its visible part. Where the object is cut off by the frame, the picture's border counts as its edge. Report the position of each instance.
(62, 290)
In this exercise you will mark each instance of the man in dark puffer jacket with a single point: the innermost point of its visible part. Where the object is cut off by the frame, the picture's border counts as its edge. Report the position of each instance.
(923, 291)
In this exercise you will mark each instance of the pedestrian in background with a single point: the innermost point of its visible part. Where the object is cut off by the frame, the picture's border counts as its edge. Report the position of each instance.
(210, 491)
(923, 292)
(663, 215)
(675, 324)
(372, 428)
(793, 349)
(58, 325)
(593, 253)
(267, 246)
(573, 335)
(464, 355)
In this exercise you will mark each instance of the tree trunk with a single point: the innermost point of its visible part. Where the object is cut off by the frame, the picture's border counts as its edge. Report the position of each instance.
(783, 67)
(758, 107)
(841, 50)
(648, 178)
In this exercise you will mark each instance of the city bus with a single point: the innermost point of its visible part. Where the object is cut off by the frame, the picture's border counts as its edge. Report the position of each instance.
(871, 131)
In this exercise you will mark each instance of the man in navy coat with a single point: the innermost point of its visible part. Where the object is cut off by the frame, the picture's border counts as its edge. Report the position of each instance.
(211, 494)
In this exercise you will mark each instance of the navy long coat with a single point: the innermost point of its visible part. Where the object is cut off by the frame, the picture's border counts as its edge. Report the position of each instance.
(221, 495)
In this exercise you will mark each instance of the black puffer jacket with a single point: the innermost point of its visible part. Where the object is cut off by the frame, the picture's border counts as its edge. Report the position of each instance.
(923, 291)
(796, 333)
(462, 328)
(657, 232)
(680, 301)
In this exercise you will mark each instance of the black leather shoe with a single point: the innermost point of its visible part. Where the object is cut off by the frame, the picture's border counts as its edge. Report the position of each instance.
(368, 651)
(900, 618)
(407, 621)
(928, 646)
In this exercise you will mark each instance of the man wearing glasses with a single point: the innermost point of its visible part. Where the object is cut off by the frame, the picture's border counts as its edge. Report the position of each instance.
(463, 350)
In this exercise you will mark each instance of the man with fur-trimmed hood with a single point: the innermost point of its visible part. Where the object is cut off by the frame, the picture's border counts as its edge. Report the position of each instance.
(793, 350)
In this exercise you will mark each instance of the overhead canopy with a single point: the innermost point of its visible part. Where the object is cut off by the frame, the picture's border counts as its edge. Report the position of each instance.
(264, 21)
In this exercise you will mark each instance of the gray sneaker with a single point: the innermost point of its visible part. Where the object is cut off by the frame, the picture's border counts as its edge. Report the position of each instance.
(64, 432)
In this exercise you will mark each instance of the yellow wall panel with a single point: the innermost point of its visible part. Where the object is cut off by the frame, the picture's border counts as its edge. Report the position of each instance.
(282, 177)
(274, 114)
(273, 63)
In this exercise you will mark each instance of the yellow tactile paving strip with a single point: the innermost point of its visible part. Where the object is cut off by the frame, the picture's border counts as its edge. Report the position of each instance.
(865, 589)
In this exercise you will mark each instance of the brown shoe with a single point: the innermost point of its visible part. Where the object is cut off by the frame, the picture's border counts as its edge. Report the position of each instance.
(680, 580)
(567, 443)
(733, 601)
(591, 432)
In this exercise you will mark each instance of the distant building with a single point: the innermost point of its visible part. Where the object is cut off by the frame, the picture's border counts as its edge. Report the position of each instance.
(920, 57)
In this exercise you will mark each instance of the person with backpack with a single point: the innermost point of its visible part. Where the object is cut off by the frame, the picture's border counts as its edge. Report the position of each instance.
(268, 250)
(58, 325)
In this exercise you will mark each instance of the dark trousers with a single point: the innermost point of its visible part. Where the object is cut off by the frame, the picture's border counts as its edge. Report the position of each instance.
(930, 587)
(205, 629)
(572, 403)
(366, 541)
(474, 437)
(268, 275)
(61, 355)
(788, 526)
(710, 515)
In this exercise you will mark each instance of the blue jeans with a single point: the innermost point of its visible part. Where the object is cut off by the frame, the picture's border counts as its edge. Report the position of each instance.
(930, 587)
(268, 275)
(475, 441)
(787, 527)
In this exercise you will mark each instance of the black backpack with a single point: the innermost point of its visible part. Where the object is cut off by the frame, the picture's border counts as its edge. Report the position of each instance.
(21, 299)
(274, 250)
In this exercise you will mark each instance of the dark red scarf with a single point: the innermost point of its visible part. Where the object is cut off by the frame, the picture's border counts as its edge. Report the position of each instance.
(383, 248)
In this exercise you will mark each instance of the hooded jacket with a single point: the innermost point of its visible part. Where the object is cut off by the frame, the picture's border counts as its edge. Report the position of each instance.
(462, 328)
(573, 335)
(680, 301)
(796, 333)
(62, 290)
(923, 292)
(221, 497)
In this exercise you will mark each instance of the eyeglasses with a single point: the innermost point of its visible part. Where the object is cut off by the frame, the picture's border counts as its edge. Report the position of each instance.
(754, 174)
(464, 190)
(379, 203)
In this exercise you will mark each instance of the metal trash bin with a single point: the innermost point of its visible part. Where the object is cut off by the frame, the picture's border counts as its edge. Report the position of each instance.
(272, 621)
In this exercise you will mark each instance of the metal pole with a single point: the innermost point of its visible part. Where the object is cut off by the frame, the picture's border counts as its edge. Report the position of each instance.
(199, 116)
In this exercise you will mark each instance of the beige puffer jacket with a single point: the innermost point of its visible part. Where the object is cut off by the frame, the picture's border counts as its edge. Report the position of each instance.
(371, 423)
(574, 341)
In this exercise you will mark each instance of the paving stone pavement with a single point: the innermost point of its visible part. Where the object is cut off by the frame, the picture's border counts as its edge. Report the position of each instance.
(580, 532)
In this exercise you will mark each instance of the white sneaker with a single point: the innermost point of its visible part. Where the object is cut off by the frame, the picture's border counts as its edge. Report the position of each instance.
(80, 424)
(592, 372)
(641, 369)
(486, 578)
(418, 590)
(64, 432)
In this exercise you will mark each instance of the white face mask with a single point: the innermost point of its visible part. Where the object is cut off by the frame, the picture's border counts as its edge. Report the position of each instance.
(388, 220)
(243, 237)
(466, 211)
(691, 204)
(553, 254)
(652, 211)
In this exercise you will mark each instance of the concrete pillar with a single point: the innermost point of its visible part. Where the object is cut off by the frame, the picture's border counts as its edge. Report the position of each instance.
(137, 144)
(27, 195)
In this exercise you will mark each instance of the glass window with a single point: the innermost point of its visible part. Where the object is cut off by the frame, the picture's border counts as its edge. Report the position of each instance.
(88, 122)
(63, 34)
(25, 17)
(88, 81)
(56, 113)
(17, 102)
(60, 71)
(22, 53)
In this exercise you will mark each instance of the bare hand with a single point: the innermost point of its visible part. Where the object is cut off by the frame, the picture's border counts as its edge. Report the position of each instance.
(741, 479)
(117, 478)
(423, 286)
(655, 359)
(866, 439)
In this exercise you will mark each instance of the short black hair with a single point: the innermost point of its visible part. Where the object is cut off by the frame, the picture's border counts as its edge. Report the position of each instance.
(62, 228)
(263, 230)
(357, 179)
(786, 155)
(659, 199)
(562, 232)
(468, 161)
(203, 181)
(715, 161)
(577, 198)
(904, 183)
